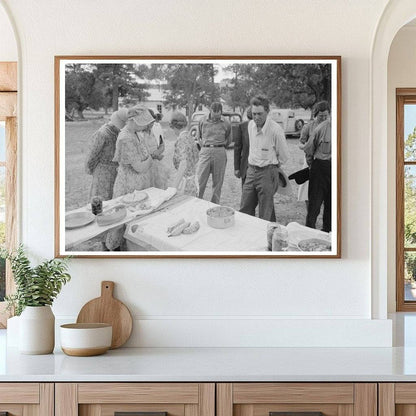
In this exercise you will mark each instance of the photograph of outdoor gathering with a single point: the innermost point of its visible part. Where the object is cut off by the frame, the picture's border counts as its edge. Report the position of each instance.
(199, 157)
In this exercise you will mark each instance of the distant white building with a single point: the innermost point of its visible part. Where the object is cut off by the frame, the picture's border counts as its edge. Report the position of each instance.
(156, 101)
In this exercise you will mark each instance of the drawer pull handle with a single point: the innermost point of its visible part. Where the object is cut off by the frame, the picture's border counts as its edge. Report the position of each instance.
(296, 414)
(140, 414)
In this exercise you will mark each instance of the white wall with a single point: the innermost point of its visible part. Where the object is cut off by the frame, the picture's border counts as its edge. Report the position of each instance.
(179, 302)
(401, 74)
(8, 46)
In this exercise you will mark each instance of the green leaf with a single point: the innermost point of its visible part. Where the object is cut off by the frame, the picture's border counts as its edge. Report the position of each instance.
(35, 286)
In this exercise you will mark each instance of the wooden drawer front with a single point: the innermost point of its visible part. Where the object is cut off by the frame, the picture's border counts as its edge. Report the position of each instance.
(110, 409)
(138, 393)
(265, 409)
(12, 409)
(293, 393)
(27, 399)
(332, 399)
(397, 399)
(19, 393)
(104, 399)
(405, 393)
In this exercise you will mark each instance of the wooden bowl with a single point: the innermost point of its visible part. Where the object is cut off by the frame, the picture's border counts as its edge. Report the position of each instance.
(84, 340)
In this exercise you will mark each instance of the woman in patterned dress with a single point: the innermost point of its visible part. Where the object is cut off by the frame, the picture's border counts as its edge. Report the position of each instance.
(99, 162)
(134, 167)
(185, 156)
(132, 155)
(153, 137)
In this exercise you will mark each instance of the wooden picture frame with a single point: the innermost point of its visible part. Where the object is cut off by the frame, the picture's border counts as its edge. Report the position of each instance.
(94, 87)
(404, 302)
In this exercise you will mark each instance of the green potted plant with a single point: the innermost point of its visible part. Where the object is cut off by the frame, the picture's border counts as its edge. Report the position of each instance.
(36, 289)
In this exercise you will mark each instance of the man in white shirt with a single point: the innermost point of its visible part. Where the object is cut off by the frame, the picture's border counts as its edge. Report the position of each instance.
(268, 150)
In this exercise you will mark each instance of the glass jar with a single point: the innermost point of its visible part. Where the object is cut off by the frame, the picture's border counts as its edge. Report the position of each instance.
(280, 239)
(96, 205)
(270, 230)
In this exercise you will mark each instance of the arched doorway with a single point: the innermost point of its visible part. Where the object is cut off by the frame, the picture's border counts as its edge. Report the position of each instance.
(396, 14)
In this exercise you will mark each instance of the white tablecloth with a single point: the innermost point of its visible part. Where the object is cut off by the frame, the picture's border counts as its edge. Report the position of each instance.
(79, 235)
(248, 234)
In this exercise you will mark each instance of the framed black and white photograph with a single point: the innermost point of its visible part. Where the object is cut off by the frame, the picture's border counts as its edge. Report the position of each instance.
(197, 156)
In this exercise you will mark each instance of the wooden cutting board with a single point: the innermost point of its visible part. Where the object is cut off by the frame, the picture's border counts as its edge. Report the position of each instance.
(107, 309)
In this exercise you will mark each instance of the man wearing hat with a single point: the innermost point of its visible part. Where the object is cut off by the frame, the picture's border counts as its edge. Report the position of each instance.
(99, 162)
(215, 134)
(267, 151)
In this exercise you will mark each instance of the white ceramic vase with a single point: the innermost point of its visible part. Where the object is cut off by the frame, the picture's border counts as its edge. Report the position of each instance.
(37, 330)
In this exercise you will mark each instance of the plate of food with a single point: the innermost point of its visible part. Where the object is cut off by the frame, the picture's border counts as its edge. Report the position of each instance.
(78, 219)
(135, 197)
(112, 215)
(314, 244)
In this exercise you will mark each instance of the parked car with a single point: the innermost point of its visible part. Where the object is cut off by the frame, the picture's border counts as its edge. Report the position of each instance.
(234, 118)
(291, 124)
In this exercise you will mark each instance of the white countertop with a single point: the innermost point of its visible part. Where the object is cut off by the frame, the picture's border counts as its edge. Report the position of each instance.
(222, 364)
(213, 365)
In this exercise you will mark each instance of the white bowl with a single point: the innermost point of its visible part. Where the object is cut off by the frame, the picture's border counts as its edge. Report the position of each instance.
(83, 340)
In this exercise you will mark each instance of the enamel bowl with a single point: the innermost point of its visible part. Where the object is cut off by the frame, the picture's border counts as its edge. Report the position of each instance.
(220, 217)
(83, 340)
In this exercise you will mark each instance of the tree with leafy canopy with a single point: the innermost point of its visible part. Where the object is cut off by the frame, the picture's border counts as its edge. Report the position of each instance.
(241, 87)
(101, 85)
(120, 80)
(285, 85)
(81, 89)
(187, 85)
(294, 85)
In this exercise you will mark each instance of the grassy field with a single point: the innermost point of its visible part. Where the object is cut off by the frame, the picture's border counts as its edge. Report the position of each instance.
(77, 182)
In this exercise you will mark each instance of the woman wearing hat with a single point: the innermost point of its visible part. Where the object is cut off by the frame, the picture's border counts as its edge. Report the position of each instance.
(132, 155)
(134, 163)
(99, 162)
(185, 156)
(152, 135)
